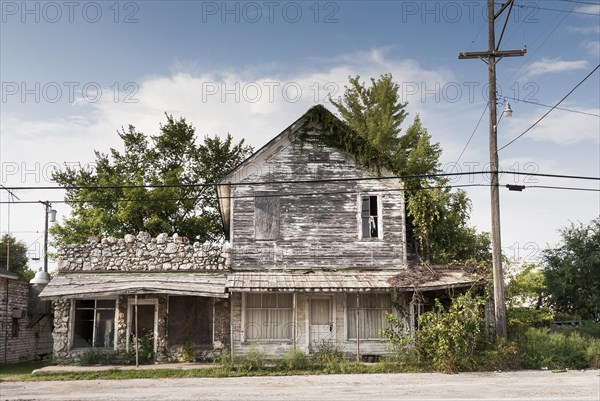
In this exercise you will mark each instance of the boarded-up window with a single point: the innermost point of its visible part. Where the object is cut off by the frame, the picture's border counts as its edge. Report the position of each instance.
(266, 216)
(371, 315)
(190, 320)
(269, 317)
(369, 215)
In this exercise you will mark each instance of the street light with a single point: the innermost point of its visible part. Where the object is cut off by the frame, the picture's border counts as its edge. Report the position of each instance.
(42, 277)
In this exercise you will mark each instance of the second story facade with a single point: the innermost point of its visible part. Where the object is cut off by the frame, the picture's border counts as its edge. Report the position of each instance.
(304, 202)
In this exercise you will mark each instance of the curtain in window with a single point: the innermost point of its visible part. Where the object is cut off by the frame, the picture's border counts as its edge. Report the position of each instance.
(371, 315)
(269, 317)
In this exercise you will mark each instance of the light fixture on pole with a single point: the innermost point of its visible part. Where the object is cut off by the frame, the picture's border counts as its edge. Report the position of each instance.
(42, 277)
(507, 110)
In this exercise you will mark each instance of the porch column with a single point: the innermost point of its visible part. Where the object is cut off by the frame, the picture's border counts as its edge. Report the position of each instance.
(357, 327)
(295, 320)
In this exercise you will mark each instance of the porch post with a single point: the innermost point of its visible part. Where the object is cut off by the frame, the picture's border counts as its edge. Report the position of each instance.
(357, 314)
(295, 320)
(137, 347)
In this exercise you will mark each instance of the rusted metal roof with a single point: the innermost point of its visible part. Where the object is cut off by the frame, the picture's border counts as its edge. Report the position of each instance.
(324, 281)
(86, 285)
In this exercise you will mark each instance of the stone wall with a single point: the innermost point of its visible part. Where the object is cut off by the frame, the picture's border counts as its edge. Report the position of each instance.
(24, 338)
(144, 253)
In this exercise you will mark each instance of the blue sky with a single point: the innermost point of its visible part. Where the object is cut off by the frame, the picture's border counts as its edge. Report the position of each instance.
(73, 73)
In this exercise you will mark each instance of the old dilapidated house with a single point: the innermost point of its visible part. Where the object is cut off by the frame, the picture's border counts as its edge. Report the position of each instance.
(316, 253)
(318, 240)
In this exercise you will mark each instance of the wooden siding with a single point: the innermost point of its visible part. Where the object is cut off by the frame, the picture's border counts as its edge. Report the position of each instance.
(319, 223)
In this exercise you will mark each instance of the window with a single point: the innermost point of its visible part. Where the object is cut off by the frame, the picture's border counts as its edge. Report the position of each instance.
(371, 315)
(15, 327)
(94, 323)
(269, 317)
(369, 215)
(266, 216)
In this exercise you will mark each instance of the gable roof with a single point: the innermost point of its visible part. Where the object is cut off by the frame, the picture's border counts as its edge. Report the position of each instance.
(333, 133)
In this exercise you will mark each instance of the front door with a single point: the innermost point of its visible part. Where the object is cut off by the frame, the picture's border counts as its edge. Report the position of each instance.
(142, 326)
(321, 321)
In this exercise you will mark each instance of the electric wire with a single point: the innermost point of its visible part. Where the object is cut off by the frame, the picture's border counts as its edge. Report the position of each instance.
(553, 107)
(547, 105)
(314, 181)
(298, 194)
(473, 133)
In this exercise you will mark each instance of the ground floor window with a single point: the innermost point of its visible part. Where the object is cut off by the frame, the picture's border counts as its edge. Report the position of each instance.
(371, 315)
(94, 323)
(269, 317)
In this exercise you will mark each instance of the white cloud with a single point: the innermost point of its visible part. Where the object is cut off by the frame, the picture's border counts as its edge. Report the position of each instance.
(561, 127)
(584, 30)
(589, 9)
(549, 66)
(256, 105)
(592, 47)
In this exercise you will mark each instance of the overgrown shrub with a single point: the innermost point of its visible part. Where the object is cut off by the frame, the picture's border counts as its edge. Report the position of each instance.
(295, 360)
(539, 348)
(451, 339)
(327, 354)
(95, 356)
(252, 360)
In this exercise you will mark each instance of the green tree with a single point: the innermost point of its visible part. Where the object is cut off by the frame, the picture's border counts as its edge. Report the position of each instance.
(525, 294)
(437, 217)
(173, 163)
(18, 257)
(572, 271)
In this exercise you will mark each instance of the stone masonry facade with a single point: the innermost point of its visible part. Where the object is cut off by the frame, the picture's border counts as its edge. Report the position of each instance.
(142, 253)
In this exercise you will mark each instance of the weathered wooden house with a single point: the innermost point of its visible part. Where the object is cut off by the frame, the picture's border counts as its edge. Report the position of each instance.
(316, 253)
(318, 236)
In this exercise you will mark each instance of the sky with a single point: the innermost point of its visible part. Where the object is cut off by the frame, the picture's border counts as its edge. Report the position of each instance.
(74, 72)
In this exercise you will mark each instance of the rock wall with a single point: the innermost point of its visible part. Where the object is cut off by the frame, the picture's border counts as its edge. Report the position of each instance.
(143, 253)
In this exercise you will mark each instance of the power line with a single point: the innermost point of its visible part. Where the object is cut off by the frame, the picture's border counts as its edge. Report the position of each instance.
(299, 194)
(320, 181)
(580, 2)
(564, 188)
(557, 108)
(473, 133)
(554, 9)
(540, 35)
(553, 107)
(270, 195)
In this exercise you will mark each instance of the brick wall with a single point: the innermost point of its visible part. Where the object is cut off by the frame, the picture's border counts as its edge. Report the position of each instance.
(27, 338)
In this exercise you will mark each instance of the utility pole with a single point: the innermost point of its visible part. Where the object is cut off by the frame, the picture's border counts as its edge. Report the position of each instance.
(491, 57)
(43, 277)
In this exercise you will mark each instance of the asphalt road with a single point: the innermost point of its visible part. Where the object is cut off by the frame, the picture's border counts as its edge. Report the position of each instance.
(525, 385)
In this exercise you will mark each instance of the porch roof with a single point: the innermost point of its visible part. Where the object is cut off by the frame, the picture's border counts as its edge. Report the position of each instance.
(85, 285)
(357, 281)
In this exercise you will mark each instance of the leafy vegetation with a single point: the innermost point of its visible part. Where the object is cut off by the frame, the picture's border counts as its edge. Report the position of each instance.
(572, 272)
(540, 348)
(18, 257)
(173, 163)
(437, 217)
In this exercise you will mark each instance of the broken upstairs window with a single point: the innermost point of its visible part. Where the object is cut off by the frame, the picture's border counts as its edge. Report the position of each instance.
(369, 216)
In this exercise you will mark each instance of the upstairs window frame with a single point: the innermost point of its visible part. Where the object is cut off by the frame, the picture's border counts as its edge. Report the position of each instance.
(370, 217)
